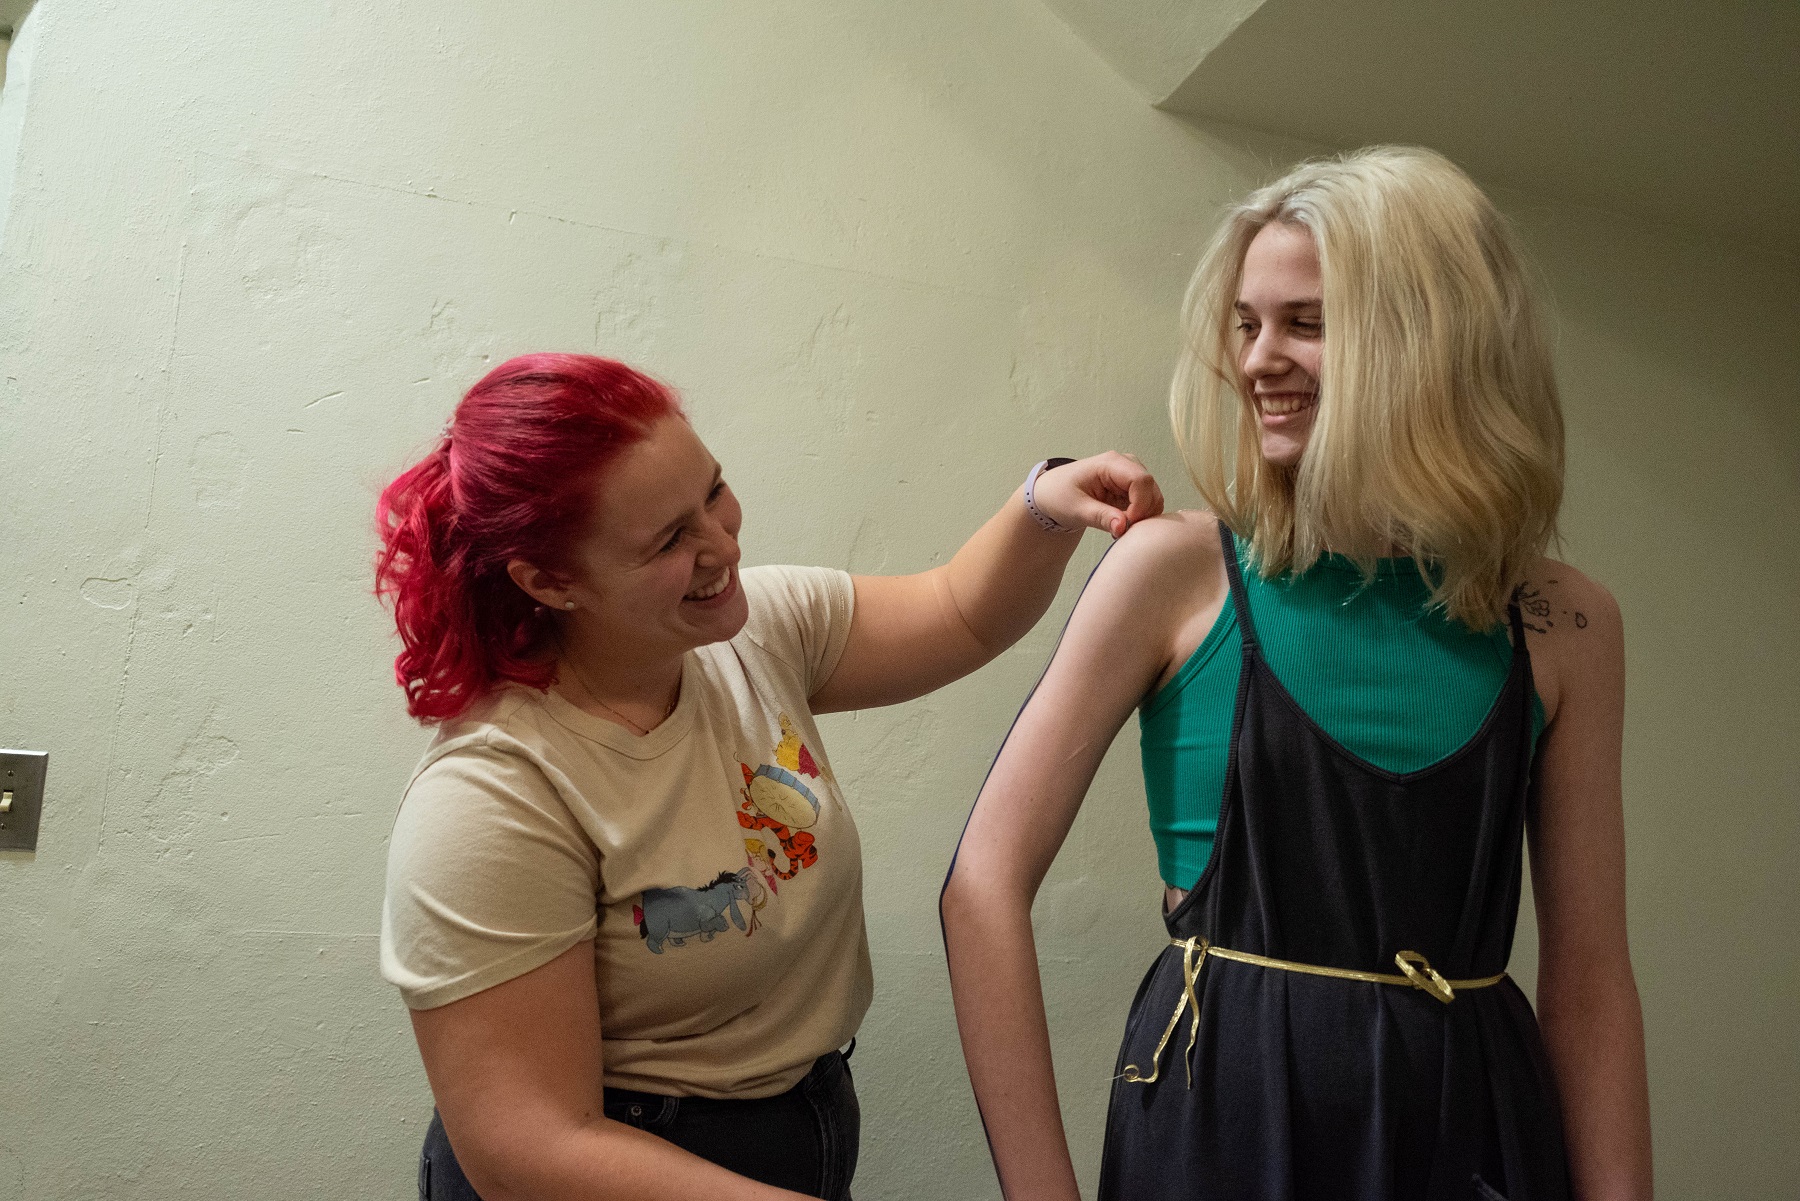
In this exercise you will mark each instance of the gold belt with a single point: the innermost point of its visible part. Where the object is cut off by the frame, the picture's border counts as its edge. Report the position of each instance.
(1415, 972)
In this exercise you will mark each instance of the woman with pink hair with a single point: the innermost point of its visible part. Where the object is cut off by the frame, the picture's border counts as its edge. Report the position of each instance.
(624, 899)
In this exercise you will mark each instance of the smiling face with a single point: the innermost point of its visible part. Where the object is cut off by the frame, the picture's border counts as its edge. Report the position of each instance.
(1281, 330)
(656, 574)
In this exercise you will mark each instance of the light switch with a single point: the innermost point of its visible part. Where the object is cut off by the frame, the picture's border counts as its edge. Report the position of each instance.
(21, 798)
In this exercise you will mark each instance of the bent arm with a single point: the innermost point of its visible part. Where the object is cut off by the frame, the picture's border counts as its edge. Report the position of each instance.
(912, 634)
(1111, 653)
(516, 1072)
(1587, 997)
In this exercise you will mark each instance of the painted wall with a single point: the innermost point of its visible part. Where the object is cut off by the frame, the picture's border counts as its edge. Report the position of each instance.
(891, 254)
(1678, 359)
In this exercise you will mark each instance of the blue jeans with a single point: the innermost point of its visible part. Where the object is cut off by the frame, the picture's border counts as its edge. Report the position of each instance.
(805, 1140)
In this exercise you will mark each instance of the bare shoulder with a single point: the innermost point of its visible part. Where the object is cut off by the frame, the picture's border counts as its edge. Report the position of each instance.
(1558, 598)
(1574, 630)
(1169, 556)
(1161, 587)
(1185, 538)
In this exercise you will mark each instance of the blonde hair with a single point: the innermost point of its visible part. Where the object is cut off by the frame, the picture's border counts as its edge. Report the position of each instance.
(1438, 432)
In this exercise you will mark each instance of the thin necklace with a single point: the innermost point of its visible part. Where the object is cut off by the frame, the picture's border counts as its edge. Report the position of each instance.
(595, 697)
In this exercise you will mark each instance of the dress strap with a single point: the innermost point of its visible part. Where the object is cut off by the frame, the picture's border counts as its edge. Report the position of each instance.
(1516, 619)
(1240, 599)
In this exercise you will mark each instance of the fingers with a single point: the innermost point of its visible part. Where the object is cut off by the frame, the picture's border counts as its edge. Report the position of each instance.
(1130, 486)
(1145, 498)
(1105, 517)
(1118, 490)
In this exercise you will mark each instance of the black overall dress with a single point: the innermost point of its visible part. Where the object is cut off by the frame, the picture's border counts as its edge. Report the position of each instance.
(1310, 1087)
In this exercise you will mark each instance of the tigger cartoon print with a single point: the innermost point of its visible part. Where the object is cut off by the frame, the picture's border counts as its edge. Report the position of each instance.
(778, 806)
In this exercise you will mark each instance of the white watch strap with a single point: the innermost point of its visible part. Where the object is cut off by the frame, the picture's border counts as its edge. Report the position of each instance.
(1044, 519)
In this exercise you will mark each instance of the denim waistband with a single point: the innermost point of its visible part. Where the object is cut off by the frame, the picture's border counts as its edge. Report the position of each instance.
(822, 1065)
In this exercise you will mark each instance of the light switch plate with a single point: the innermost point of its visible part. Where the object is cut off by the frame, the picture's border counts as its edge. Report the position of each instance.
(22, 774)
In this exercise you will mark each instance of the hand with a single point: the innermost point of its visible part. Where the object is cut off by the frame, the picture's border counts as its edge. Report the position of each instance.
(1109, 491)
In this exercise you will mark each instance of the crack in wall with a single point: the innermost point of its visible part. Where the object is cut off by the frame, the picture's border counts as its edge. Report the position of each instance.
(168, 382)
(118, 721)
(162, 408)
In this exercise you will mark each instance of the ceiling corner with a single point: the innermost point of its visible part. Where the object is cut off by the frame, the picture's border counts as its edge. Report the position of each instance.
(1155, 44)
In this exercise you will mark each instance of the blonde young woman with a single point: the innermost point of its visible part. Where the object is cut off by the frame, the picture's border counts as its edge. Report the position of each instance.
(1360, 686)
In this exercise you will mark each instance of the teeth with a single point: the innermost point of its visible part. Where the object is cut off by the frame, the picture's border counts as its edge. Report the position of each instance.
(711, 590)
(1281, 406)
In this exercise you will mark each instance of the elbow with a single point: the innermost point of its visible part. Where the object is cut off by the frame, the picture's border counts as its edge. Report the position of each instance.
(986, 631)
(972, 895)
(487, 1173)
(504, 1167)
(953, 898)
(961, 894)
(959, 910)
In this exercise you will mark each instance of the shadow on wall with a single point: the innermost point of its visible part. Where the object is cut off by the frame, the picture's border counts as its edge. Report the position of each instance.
(12, 16)
(12, 115)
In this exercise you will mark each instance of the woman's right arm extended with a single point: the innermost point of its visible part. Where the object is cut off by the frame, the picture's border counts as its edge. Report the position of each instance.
(1157, 591)
(516, 1072)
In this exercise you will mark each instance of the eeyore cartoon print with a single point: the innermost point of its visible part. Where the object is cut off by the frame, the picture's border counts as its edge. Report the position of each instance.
(674, 915)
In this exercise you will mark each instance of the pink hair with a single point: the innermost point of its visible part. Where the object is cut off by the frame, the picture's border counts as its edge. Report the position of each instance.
(513, 478)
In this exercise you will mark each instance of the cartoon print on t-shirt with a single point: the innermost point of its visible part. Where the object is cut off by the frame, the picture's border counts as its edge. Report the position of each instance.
(674, 915)
(778, 804)
(777, 807)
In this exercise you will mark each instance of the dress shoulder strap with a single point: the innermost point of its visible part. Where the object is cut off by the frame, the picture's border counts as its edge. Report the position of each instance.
(1240, 599)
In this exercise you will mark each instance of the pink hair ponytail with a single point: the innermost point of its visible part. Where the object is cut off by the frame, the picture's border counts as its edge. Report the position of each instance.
(513, 478)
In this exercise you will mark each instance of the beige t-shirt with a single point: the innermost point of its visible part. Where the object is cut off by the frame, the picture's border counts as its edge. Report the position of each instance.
(713, 861)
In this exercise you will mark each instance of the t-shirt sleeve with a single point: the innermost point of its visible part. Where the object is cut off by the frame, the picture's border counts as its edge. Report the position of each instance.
(801, 615)
(489, 876)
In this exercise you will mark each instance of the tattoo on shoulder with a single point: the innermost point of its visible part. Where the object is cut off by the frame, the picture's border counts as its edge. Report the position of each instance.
(1540, 614)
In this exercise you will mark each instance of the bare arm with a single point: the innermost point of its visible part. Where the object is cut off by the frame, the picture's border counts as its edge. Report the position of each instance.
(1116, 647)
(1587, 997)
(915, 633)
(516, 1072)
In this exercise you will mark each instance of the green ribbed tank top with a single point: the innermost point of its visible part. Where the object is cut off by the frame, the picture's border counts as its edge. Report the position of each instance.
(1392, 682)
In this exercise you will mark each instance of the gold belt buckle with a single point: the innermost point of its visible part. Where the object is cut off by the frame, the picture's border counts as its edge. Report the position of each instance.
(1416, 968)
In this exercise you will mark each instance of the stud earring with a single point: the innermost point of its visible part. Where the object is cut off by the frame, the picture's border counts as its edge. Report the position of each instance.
(568, 604)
